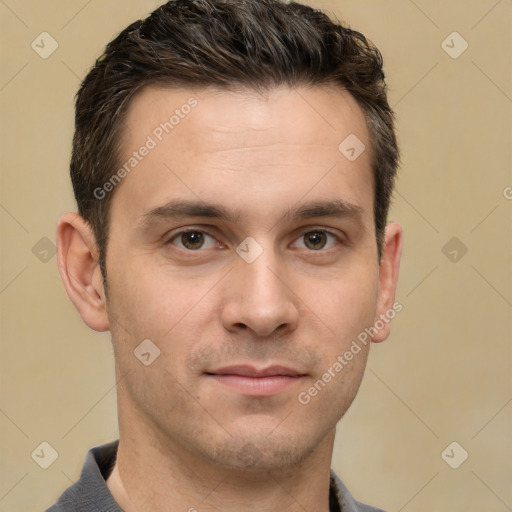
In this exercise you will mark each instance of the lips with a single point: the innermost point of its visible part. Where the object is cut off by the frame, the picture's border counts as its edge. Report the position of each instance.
(250, 381)
(250, 371)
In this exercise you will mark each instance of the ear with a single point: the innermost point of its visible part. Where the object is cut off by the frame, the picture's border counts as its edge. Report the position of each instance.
(388, 278)
(77, 258)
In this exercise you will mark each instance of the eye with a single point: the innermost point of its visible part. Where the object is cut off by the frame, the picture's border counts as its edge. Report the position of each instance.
(317, 240)
(193, 240)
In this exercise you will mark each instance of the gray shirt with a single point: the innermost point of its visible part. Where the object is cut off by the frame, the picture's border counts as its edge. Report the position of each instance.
(91, 494)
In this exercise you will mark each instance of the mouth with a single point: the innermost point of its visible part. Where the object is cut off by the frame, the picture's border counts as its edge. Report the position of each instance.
(250, 381)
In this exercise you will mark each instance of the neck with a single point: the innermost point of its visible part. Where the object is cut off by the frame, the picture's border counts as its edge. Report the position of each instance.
(153, 475)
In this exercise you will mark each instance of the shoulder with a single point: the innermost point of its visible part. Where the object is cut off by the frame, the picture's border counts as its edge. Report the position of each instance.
(346, 501)
(90, 491)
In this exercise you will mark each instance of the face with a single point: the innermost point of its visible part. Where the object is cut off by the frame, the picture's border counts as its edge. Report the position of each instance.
(242, 244)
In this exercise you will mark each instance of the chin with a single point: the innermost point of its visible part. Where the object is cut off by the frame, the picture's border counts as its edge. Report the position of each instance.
(259, 451)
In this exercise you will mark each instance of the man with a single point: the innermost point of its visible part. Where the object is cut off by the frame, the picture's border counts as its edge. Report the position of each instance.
(233, 164)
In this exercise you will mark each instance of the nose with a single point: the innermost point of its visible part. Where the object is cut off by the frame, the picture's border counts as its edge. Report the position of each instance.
(259, 298)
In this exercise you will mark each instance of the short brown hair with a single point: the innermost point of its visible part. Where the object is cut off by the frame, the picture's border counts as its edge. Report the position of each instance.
(231, 44)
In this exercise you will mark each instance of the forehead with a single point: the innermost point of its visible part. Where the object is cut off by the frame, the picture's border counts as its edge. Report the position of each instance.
(320, 114)
(244, 148)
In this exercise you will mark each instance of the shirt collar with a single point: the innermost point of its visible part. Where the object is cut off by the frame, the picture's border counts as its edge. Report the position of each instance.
(90, 492)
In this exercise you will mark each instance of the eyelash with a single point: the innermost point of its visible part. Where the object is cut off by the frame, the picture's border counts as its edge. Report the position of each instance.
(310, 230)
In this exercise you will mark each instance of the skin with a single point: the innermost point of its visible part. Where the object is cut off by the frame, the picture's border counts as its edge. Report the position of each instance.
(184, 437)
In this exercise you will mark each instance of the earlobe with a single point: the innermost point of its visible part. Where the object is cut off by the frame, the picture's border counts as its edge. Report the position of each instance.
(79, 269)
(388, 278)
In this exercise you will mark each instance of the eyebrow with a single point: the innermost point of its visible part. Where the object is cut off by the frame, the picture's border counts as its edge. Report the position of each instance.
(190, 208)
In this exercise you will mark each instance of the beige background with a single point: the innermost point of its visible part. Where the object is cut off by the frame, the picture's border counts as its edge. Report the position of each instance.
(445, 373)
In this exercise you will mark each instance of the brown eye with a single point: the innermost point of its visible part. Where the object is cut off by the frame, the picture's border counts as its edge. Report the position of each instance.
(192, 239)
(315, 240)
(318, 240)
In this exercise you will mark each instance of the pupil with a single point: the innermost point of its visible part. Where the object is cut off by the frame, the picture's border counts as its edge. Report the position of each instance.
(192, 239)
(316, 240)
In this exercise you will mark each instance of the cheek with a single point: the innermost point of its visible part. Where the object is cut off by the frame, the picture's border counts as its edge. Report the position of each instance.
(175, 314)
(151, 302)
(346, 305)
(331, 393)
(166, 312)
(347, 310)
